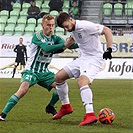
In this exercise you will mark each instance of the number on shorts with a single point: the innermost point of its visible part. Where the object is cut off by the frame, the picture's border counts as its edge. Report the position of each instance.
(28, 77)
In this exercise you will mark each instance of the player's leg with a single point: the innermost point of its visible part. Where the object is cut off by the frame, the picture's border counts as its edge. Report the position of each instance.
(14, 69)
(13, 100)
(86, 96)
(84, 82)
(50, 108)
(27, 81)
(48, 83)
(23, 64)
(62, 90)
(54, 98)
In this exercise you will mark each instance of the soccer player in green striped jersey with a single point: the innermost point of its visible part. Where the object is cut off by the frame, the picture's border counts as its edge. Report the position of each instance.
(42, 47)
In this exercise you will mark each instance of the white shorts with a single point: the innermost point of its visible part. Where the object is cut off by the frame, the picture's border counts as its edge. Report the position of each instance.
(88, 67)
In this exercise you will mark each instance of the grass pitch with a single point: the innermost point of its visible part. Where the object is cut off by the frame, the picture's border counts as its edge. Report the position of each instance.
(29, 116)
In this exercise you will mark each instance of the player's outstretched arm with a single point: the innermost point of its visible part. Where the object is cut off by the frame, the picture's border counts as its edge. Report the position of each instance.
(45, 45)
(108, 36)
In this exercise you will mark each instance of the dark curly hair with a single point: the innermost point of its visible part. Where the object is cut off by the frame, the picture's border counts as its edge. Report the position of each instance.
(61, 18)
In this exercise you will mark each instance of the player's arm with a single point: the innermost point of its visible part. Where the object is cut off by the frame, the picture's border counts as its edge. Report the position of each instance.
(70, 44)
(73, 46)
(58, 41)
(25, 50)
(46, 47)
(15, 49)
(108, 36)
(96, 29)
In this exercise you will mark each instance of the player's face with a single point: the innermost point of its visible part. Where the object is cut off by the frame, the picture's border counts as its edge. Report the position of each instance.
(48, 26)
(20, 41)
(69, 25)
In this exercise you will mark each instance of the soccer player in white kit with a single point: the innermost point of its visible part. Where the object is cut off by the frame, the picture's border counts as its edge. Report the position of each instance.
(86, 66)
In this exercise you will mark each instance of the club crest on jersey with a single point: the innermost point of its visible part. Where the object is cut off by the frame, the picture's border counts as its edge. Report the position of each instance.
(43, 40)
(97, 27)
(50, 42)
(79, 35)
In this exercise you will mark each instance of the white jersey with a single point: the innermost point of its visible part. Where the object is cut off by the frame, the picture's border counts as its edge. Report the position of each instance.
(86, 35)
(90, 52)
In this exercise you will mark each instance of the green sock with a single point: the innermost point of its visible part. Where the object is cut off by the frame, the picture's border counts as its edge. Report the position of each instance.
(54, 98)
(10, 104)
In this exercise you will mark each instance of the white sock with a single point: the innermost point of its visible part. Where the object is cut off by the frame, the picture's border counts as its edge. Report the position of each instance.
(86, 96)
(62, 90)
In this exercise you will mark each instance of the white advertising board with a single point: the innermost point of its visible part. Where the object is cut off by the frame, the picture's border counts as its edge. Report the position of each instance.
(117, 69)
(114, 69)
(122, 46)
(7, 44)
(7, 65)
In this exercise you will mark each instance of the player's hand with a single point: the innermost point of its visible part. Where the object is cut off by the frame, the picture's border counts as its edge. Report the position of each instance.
(69, 42)
(107, 54)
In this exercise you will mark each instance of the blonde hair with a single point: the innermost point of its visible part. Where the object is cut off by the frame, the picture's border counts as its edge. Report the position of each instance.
(48, 17)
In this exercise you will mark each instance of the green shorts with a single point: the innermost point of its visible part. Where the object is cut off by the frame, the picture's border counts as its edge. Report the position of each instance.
(42, 79)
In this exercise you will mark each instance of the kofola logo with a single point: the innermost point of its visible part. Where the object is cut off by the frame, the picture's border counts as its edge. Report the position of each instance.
(124, 67)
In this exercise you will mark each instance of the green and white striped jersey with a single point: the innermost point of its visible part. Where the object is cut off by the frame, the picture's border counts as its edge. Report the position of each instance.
(41, 49)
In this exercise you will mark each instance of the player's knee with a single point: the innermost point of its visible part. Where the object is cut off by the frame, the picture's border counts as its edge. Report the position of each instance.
(57, 78)
(61, 76)
(83, 81)
(80, 83)
(23, 89)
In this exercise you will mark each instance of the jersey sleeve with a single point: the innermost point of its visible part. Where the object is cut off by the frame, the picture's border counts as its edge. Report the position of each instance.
(15, 49)
(45, 45)
(93, 28)
(58, 39)
(74, 46)
(25, 50)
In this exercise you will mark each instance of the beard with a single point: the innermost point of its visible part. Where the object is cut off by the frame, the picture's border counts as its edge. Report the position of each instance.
(72, 29)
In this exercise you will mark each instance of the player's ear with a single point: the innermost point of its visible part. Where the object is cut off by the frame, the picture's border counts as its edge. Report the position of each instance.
(41, 24)
(71, 19)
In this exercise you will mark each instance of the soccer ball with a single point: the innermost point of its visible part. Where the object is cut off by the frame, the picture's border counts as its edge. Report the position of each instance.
(106, 116)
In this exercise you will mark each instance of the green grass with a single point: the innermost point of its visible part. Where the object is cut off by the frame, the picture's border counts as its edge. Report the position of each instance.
(29, 116)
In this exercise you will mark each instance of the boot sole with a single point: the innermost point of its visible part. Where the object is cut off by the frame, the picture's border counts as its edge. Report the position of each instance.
(88, 123)
(61, 116)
